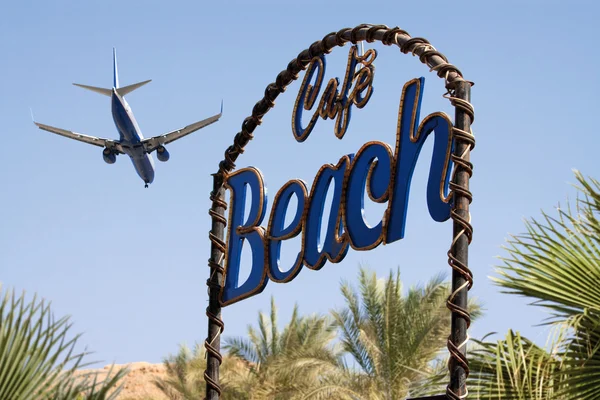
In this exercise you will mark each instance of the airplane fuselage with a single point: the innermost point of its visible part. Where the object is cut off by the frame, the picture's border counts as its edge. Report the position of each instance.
(131, 137)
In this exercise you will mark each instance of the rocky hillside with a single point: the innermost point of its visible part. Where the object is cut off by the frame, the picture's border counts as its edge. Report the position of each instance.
(138, 384)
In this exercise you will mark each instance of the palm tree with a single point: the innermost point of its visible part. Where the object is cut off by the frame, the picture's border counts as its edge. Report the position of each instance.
(37, 359)
(185, 376)
(557, 264)
(515, 368)
(286, 364)
(393, 339)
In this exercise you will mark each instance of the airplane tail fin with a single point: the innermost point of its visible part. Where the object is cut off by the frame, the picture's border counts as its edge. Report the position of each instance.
(121, 90)
(115, 71)
(106, 92)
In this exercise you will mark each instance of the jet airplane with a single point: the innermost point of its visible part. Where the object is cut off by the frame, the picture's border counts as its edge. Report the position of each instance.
(130, 142)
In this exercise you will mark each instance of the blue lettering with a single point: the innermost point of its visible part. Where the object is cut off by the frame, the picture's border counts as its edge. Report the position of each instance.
(372, 164)
(335, 244)
(306, 99)
(409, 141)
(240, 231)
(276, 233)
(384, 175)
(438, 200)
(337, 100)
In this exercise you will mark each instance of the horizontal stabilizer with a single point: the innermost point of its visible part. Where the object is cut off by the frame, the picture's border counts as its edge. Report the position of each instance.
(106, 92)
(128, 89)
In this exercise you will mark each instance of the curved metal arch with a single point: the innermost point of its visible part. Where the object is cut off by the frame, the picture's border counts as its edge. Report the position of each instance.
(458, 93)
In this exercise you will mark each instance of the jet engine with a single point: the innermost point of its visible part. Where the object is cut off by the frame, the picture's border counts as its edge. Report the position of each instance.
(109, 156)
(162, 154)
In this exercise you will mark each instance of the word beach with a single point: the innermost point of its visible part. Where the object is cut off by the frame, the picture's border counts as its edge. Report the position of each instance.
(381, 171)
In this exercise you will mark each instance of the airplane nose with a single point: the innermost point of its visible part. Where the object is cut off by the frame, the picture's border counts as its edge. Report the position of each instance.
(150, 176)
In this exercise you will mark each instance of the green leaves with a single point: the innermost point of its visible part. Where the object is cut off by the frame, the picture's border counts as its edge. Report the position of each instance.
(37, 359)
(393, 338)
(185, 376)
(513, 368)
(32, 344)
(290, 363)
(556, 263)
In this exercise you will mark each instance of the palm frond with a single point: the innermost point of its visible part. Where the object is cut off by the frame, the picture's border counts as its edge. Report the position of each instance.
(556, 263)
(291, 361)
(393, 338)
(514, 368)
(34, 348)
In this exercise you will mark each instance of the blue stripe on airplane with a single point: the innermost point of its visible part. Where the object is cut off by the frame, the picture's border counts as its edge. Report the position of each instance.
(131, 138)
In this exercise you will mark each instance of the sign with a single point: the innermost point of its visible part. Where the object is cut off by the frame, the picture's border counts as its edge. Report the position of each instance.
(379, 170)
(383, 171)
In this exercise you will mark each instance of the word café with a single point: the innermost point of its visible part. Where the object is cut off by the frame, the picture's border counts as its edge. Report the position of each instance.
(384, 172)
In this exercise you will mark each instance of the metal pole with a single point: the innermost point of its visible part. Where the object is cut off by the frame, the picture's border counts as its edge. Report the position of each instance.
(213, 311)
(462, 233)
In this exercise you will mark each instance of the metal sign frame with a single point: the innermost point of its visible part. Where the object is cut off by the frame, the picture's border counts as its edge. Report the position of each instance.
(459, 95)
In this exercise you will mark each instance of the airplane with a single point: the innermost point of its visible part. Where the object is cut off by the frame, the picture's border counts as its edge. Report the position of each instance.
(131, 141)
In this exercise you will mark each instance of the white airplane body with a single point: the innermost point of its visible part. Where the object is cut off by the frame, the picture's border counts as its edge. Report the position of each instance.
(131, 141)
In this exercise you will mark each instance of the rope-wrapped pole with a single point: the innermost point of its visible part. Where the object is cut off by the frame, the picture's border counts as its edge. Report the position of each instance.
(458, 255)
(213, 311)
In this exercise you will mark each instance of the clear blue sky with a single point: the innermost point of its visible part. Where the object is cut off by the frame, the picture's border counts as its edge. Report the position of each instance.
(129, 264)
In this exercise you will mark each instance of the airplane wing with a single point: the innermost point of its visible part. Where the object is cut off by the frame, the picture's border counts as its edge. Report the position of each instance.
(151, 144)
(100, 142)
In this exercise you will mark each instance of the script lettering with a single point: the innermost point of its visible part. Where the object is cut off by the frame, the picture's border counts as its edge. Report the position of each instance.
(385, 176)
(335, 103)
(241, 231)
(276, 233)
